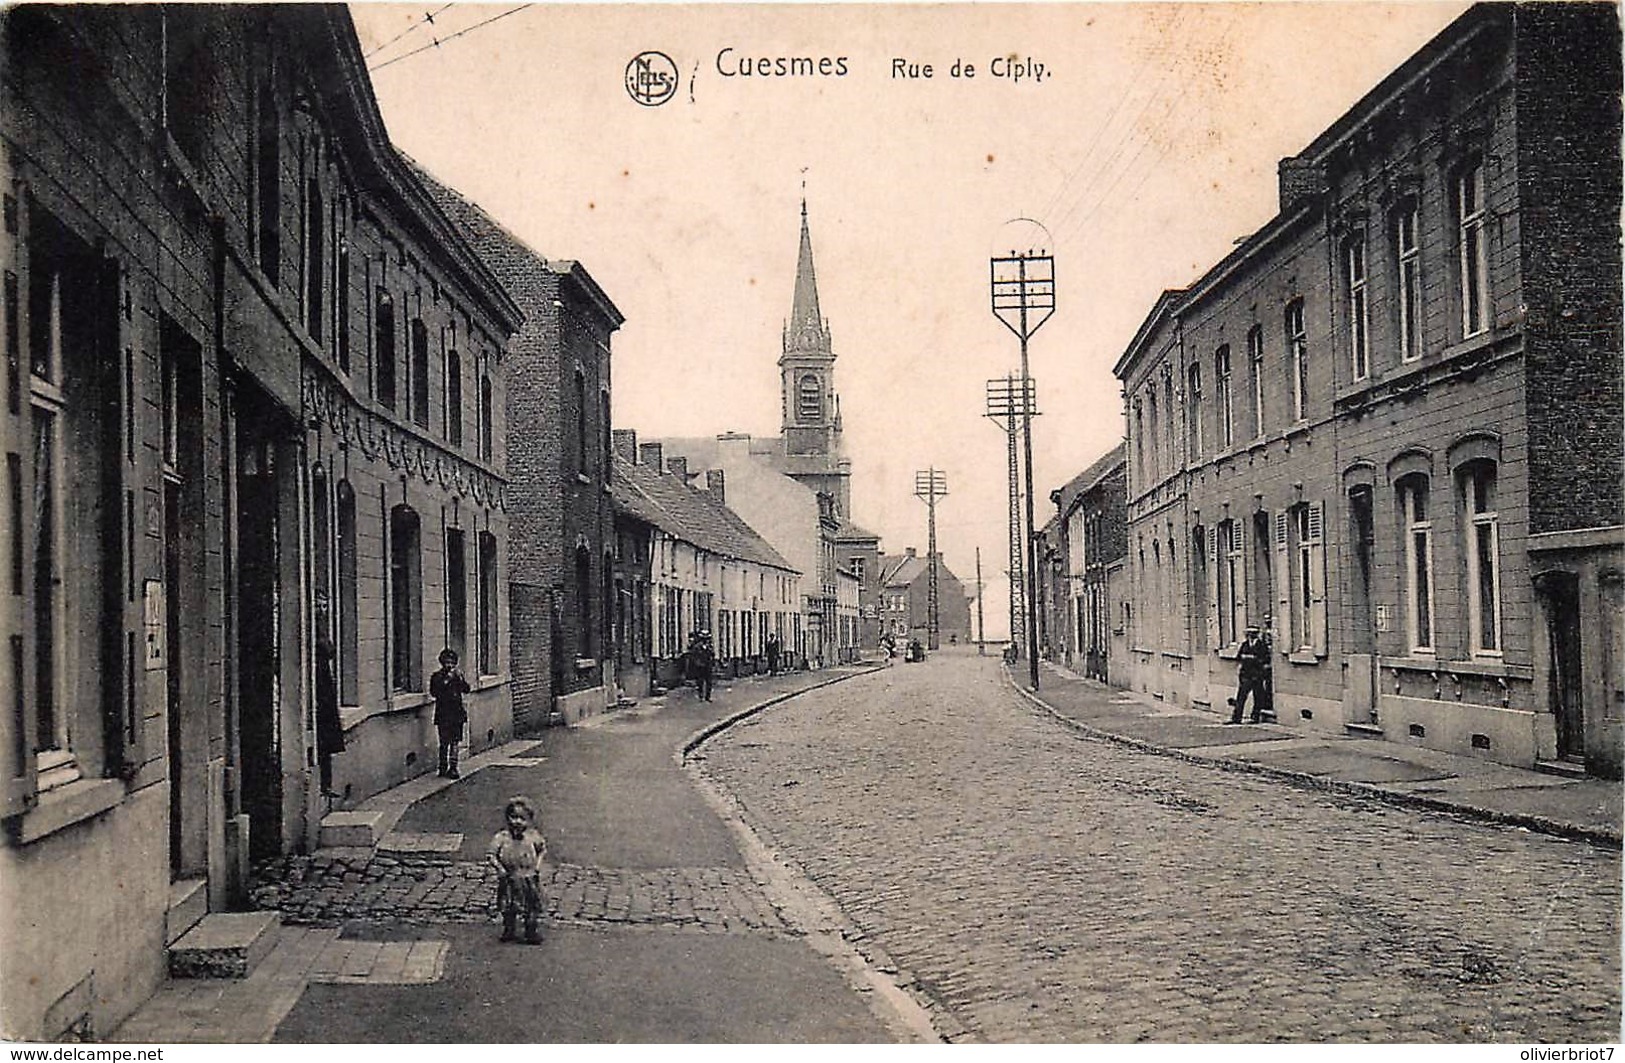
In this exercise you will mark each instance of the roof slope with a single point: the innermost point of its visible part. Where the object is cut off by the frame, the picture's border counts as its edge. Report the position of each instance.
(690, 515)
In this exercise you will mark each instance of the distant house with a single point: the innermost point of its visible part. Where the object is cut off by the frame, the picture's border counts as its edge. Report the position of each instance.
(905, 590)
(708, 571)
(1091, 544)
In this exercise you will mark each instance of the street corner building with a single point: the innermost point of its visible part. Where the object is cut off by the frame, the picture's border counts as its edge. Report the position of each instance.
(1388, 427)
(253, 410)
(559, 467)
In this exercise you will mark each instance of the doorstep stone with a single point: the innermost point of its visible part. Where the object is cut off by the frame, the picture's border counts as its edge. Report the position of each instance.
(358, 829)
(225, 945)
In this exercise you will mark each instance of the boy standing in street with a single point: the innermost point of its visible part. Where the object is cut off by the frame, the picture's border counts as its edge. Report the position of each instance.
(447, 687)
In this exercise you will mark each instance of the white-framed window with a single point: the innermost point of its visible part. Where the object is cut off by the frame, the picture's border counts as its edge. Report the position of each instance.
(1306, 578)
(1359, 308)
(1417, 525)
(1407, 249)
(1475, 263)
(1483, 553)
(1297, 351)
(1255, 364)
(1226, 402)
(1195, 412)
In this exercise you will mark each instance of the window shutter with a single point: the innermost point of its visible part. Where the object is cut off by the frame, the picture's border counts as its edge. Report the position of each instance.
(1317, 580)
(16, 667)
(1283, 583)
(1238, 528)
(1213, 563)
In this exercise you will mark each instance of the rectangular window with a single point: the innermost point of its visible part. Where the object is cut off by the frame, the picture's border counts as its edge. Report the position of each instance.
(485, 418)
(384, 347)
(14, 354)
(341, 327)
(406, 598)
(1230, 574)
(1475, 266)
(1359, 309)
(1483, 558)
(1221, 378)
(1154, 435)
(456, 593)
(268, 179)
(454, 397)
(188, 80)
(1413, 493)
(1297, 349)
(1195, 412)
(14, 518)
(1410, 283)
(420, 373)
(1255, 365)
(315, 256)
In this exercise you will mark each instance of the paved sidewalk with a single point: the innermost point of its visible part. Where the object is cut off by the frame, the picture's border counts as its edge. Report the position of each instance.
(662, 922)
(1584, 808)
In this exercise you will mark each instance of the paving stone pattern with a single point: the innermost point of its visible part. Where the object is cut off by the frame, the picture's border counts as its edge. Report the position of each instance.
(327, 889)
(1040, 886)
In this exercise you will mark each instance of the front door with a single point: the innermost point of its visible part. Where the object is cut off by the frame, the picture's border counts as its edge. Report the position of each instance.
(1561, 594)
(258, 630)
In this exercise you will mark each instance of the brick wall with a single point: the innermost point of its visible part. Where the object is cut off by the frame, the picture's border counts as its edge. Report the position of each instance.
(1568, 107)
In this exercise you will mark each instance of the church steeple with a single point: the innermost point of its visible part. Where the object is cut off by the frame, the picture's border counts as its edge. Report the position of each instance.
(806, 331)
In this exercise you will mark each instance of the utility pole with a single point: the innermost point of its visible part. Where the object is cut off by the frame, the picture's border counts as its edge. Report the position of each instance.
(1023, 290)
(981, 632)
(930, 485)
(1008, 402)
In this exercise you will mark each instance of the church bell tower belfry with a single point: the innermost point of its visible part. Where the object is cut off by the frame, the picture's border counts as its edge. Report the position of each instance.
(811, 409)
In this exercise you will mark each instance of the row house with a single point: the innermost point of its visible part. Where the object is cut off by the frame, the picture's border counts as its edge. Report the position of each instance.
(1092, 541)
(252, 434)
(561, 584)
(858, 551)
(708, 570)
(1388, 426)
(905, 589)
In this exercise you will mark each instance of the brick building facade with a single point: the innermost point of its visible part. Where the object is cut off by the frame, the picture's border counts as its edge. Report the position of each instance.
(1090, 533)
(1388, 426)
(905, 596)
(249, 412)
(559, 461)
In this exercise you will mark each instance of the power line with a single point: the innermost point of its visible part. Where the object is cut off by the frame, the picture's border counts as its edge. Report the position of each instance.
(426, 20)
(437, 42)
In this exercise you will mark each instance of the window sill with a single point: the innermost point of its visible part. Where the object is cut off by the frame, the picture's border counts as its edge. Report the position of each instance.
(1229, 653)
(1484, 666)
(66, 805)
(1303, 657)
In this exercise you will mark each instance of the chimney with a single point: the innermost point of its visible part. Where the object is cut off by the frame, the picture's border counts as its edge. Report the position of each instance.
(652, 455)
(1299, 179)
(908, 551)
(678, 467)
(714, 484)
(624, 441)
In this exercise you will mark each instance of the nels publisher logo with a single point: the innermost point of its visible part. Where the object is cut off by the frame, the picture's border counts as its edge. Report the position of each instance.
(651, 78)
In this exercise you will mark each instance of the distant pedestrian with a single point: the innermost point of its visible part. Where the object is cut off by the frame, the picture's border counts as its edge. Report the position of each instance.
(772, 648)
(517, 852)
(447, 687)
(704, 662)
(1254, 658)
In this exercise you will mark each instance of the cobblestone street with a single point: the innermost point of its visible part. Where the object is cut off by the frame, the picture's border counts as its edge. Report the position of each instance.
(1042, 886)
(328, 890)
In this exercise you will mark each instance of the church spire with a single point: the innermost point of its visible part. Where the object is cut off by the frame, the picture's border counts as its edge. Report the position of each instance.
(806, 331)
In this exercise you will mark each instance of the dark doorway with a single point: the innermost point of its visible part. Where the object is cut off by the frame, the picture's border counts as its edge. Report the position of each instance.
(258, 628)
(1560, 592)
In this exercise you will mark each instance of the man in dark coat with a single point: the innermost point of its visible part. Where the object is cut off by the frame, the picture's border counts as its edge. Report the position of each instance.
(1254, 658)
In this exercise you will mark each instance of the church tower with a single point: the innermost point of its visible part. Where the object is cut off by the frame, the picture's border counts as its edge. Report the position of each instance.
(811, 415)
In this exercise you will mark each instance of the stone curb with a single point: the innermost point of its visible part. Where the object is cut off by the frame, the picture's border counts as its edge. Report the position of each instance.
(1603, 838)
(858, 947)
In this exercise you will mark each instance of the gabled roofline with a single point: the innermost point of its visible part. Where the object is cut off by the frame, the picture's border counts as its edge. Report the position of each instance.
(577, 273)
(371, 145)
(1160, 310)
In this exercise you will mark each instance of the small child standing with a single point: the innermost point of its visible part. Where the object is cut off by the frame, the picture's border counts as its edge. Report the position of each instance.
(517, 853)
(447, 687)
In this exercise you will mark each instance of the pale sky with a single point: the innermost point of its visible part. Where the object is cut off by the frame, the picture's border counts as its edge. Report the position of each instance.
(1148, 147)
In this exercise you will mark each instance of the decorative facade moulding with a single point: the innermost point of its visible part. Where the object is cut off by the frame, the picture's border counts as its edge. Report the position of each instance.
(329, 406)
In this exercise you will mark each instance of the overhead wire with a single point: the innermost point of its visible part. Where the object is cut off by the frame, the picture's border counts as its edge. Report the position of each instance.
(427, 20)
(437, 42)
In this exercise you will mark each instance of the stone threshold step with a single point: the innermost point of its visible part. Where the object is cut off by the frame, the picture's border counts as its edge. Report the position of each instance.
(225, 945)
(188, 904)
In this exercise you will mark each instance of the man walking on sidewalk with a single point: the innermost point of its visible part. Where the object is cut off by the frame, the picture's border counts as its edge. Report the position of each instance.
(1254, 656)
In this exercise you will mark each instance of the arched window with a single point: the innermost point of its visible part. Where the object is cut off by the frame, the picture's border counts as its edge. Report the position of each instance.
(406, 598)
(348, 607)
(810, 399)
(488, 604)
(1416, 524)
(454, 397)
(1297, 353)
(1408, 259)
(420, 372)
(581, 422)
(1359, 307)
(583, 602)
(1482, 527)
